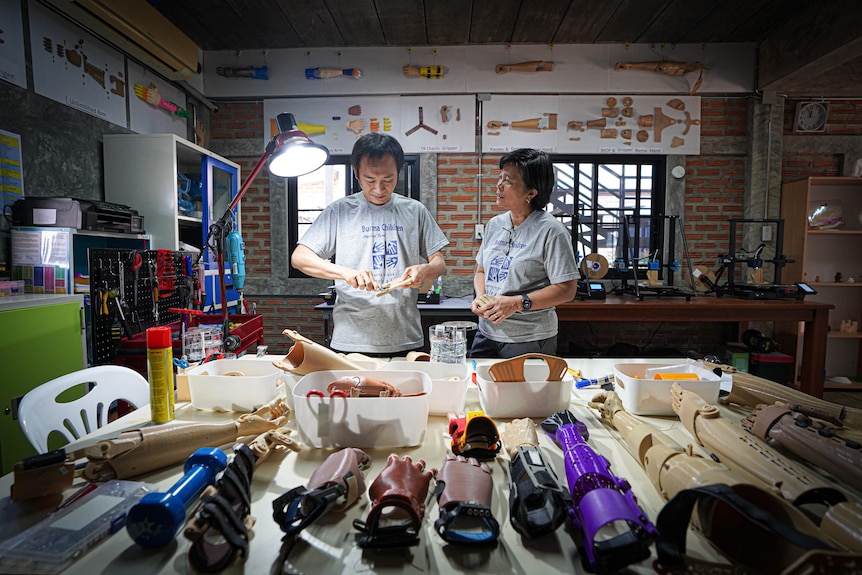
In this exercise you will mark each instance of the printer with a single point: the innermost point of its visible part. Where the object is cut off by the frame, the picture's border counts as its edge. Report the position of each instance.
(79, 214)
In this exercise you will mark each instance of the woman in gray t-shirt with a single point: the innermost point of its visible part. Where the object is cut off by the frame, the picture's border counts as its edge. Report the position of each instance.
(525, 266)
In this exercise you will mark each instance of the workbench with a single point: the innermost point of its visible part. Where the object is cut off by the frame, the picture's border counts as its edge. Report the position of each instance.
(705, 309)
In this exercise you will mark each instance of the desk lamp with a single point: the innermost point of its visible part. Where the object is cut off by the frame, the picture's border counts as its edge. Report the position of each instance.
(290, 153)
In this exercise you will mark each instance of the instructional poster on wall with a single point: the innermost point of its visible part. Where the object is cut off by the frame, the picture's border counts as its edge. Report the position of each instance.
(155, 105)
(13, 66)
(601, 124)
(11, 176)
(72, 67)
(338, 122)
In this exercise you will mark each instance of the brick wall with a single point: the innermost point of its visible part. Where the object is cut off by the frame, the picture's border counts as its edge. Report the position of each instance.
(715, 189)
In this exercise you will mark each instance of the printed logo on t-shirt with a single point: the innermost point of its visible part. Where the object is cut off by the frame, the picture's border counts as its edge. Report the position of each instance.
(499, 269)
(385, 255)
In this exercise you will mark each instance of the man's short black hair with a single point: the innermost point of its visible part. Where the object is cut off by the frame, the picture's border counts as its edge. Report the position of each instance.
(536, 170)
(376, 146)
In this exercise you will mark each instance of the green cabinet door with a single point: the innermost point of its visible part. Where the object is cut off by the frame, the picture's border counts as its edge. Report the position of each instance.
(37, 344)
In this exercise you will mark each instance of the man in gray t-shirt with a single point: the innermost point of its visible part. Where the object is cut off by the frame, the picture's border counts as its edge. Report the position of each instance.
(378, 238)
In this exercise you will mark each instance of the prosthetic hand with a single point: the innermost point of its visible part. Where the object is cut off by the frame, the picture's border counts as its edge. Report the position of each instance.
(519, 432)
(729, 527)
(401, 487)
(474, 435)
(364, 386)
(464, 489)
(751, 458)
(140, 451)
(537, 501)
(336, 484)
(603, 503)
(791, 430)
(219, 528)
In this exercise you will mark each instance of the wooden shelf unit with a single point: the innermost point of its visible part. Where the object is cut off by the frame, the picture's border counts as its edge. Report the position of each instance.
(819, 255)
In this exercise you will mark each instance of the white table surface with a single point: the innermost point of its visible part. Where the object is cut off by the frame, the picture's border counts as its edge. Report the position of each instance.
(328, 545)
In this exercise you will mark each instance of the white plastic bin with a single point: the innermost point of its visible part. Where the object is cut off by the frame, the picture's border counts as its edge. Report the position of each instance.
(448, 383)
(365, 422)
(210, 388)
(643, 395)
(535, 397)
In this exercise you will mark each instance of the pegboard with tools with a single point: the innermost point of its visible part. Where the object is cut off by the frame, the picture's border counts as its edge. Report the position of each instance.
(132, 290)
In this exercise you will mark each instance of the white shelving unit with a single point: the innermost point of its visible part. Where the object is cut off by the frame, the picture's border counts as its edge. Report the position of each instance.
(820, 255)
(142, 171)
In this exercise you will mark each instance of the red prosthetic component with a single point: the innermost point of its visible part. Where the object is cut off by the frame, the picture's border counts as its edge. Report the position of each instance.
(476, 437)
(400, 490)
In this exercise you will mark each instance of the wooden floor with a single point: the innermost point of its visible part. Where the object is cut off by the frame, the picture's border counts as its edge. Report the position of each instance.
(846, 398)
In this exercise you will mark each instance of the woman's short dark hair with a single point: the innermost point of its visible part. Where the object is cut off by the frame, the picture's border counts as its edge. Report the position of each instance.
(376, 146)
(536, 170)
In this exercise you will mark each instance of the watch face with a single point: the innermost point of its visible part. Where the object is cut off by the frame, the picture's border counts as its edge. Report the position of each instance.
(527, 303)
(811, 117)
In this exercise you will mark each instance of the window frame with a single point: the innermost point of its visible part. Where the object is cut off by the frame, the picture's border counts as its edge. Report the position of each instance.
(655, 220)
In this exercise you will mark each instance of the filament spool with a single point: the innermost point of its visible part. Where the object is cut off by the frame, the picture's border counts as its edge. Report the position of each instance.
(594, 266)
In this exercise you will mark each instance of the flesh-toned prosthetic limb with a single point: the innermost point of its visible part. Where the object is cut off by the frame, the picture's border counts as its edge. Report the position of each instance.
(673, 468)
(306, 356)
(748, 456)
(474, 435)
(400, 490)
(336, 484)
(140, 451)
(792, 431)
(464, 488)
(667, 67)
(611, 529)
(529, 67)
(537, 501)
(364, 386)
(750, 391)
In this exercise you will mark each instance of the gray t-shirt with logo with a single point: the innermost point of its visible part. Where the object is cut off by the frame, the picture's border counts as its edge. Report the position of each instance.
(520, 260)
(386, 239)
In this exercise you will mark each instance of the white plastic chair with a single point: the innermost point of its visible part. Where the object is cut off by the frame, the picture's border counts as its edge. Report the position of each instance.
(40, 413)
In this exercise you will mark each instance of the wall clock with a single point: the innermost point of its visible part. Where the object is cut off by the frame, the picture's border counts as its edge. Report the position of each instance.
(811, 117)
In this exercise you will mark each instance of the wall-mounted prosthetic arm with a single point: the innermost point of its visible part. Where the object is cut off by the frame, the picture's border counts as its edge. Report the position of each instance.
(613, 531)
(793, 431)
(464, 489)
(537, 501)
(140, 451)
(672, 469)
(401, 487)
(748, 456)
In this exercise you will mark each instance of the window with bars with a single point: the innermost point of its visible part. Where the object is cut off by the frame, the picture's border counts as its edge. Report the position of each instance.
(613, 206)
(308, 195)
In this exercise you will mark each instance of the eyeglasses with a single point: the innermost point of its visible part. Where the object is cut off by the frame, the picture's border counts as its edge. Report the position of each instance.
(509, 241)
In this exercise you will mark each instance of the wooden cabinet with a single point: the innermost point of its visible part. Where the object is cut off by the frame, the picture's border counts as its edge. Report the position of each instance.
(821, 254)
(157, 174)
(42, 338)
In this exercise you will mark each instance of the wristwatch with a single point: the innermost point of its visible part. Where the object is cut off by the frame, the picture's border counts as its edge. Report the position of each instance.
(527, 303)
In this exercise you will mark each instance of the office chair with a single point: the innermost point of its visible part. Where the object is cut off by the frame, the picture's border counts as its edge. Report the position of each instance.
(40, 413)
